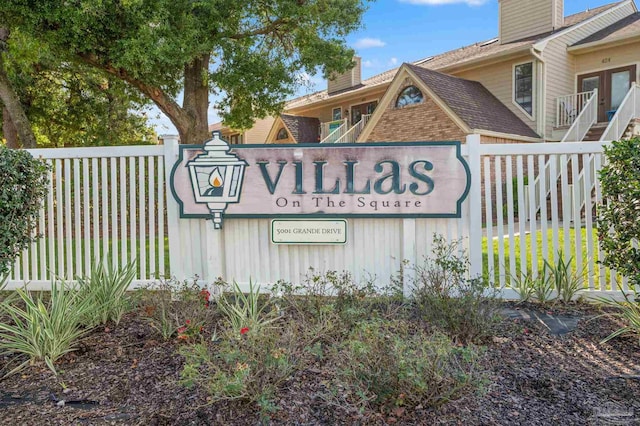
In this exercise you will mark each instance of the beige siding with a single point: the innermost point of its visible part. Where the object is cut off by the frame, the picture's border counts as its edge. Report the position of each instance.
(325, 113)
(607, 58)
(348, 79)
(520, 19)
(559, 18)
(560, 65)
(260, 130)
(498, 79)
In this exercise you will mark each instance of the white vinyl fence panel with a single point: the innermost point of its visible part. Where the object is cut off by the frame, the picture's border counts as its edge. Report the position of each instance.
(101, 201)
(115, 200)
(522, 228)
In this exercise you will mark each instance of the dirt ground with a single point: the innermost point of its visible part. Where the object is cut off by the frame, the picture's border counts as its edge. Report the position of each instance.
(128, 376)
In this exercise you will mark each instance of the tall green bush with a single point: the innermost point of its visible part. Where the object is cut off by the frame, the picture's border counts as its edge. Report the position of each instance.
(23, 185)
(618, 218)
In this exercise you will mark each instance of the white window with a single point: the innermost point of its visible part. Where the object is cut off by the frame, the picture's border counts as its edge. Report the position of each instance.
(337, 114)
(523, 86)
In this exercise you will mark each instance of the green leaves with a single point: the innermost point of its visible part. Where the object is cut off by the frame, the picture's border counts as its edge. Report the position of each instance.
(23, 185)
(619, 227)
(106, 289)
(43, 331)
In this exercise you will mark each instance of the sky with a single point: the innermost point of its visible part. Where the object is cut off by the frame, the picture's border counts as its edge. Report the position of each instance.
(397, 31)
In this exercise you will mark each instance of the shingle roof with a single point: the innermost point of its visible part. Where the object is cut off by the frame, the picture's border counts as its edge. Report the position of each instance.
(628, 26)
(454, 57)
(302, 129)
(473, 103)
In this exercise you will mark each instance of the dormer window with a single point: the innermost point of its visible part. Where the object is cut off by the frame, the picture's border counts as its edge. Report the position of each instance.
(409, 96)
(523, 86)
(282, 134)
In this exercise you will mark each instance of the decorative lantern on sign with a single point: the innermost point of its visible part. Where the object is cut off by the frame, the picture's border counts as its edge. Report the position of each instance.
(216, 177)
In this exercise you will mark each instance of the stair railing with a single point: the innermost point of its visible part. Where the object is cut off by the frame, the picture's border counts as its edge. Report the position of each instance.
(627, 111)
(336, 134)
(352, 134)
(583, 122)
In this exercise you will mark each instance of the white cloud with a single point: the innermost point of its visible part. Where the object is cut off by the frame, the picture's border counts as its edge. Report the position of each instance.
(367, 64)
(367, 43)
(440, 2)
(393, 61)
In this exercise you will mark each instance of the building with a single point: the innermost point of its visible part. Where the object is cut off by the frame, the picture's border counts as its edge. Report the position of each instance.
(545, 77)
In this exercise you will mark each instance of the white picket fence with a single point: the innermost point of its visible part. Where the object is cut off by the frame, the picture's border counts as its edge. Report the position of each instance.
(115, 200)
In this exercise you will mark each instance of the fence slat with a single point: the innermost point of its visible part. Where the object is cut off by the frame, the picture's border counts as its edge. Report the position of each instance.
(489, 219)
(68, 220)
(500, 220)
(142, 232)
(152, 217)
(77, 224)
(114, 211)
(86, 209)
(124, 251)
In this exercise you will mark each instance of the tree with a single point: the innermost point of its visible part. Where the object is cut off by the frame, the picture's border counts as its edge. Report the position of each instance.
(250, 53)
(15, 121)
(68, 103)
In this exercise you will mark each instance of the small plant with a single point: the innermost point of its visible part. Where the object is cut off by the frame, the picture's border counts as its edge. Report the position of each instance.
(169, 304)
(247, 310)
(44, 331)
(190, 331)
(106, 288)
(566, 282)
(543, 285)
(524, 285)
(628, 311)
(248, 367)
(466, 309)
(383, 365)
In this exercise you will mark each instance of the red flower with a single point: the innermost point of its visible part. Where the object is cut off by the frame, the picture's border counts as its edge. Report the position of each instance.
(182, 330)
(188, 322)
(244, 330)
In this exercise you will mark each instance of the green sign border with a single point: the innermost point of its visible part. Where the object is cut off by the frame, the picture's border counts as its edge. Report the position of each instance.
(301, 219)
(237, 148)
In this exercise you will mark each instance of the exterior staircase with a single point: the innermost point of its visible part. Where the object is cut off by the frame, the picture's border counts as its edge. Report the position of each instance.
(595, 132)
(346, 134)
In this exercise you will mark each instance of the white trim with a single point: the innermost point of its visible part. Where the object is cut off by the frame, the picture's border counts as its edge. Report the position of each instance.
(532, 115)
(583, 49)
(540, 45)
(333, 115)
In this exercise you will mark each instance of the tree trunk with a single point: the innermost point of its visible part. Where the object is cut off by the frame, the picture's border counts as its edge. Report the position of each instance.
(11, 101)
(9, 131)
(195, 130)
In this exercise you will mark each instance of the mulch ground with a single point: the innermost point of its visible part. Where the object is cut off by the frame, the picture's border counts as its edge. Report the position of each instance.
(127, 376)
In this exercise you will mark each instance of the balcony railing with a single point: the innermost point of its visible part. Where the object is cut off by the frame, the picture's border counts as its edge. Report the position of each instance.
(569, 107)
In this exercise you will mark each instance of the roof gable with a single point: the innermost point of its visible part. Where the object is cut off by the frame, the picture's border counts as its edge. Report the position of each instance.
(473, 103)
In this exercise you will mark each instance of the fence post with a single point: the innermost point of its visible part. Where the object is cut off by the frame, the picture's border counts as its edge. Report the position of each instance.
(408, 255)
(475, 207)
(173, 216)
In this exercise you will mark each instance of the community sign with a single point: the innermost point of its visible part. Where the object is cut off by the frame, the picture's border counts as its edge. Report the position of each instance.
(403, 180)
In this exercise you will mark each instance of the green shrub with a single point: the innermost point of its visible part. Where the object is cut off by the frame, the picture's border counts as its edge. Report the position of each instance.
(383, 365)
(619, 227)
(247, 367)
(106, 289)
(43, 331)
(23, 186)
(466, 309)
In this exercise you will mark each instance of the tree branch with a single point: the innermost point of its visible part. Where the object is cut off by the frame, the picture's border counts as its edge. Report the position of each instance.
(165, 103)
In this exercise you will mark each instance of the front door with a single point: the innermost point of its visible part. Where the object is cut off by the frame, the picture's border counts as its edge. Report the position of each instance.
(357, 111)
(612, 87)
